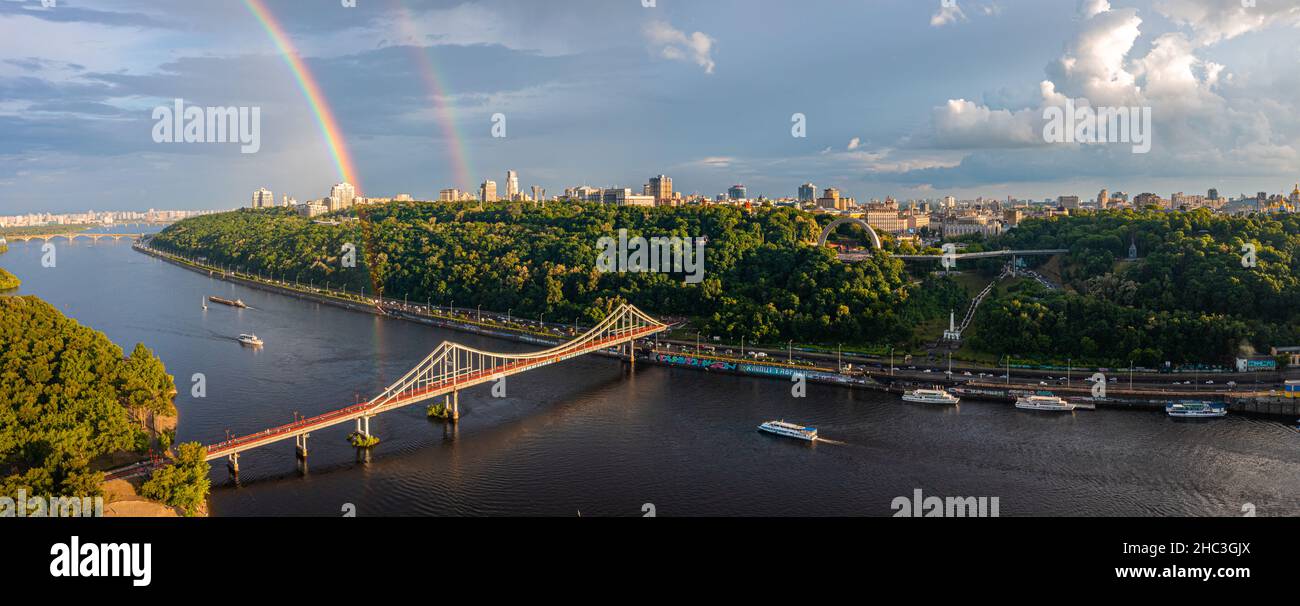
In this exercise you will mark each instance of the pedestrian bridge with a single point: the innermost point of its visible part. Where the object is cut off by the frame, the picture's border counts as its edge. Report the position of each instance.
(448, 370)
(988, 254)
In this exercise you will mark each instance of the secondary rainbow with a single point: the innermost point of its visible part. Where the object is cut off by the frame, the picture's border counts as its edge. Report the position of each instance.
(310, 88)
(437, 92)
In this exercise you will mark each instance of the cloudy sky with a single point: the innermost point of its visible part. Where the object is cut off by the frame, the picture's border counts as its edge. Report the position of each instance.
(901, 97)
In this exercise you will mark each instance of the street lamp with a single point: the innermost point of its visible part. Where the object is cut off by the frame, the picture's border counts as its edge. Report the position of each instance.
(789, 352)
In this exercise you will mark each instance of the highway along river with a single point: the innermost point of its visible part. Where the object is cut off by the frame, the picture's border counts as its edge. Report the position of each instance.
(586, 438)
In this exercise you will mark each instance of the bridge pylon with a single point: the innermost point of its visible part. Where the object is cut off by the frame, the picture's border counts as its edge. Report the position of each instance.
(232, 463)
(300, 445)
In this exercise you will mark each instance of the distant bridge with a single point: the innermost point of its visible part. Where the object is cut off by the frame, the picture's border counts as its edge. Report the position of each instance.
(71, 237)
(859, 256)
(451, 368)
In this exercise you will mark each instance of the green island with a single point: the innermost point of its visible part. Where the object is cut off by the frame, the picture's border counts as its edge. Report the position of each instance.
(72, 404)
(1185, 299)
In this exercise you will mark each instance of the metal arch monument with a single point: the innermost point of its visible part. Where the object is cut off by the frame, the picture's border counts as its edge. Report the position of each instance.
(875, 238)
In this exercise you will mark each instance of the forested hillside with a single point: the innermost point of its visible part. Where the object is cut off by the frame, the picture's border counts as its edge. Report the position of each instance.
(67, 396)
(1188, 298)
(761, 280)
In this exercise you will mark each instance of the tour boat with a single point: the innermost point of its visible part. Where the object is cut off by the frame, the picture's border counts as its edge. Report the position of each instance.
(930, 396)
(1044, 402)
(1196, 410)
(236, 303)
(789, 430)
(250, 340)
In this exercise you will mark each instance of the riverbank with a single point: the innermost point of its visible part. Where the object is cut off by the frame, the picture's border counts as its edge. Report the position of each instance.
(895, 382)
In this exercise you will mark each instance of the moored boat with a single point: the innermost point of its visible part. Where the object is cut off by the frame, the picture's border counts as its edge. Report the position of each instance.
(1196, 410)
(930, 396)
(1049, 403)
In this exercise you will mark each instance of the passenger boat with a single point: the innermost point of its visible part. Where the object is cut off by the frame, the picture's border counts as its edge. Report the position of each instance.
(250, 340)
(236, 303)
(1044, 402)
(789, 430)
(930, 396)
(1196, 410)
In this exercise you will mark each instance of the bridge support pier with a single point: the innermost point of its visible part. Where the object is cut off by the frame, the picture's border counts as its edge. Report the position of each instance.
(232, 464)
(363, 426)
(455, 406)
(300, 442)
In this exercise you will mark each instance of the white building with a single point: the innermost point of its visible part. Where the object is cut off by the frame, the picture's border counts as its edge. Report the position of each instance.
(342, 196)
(263, 198)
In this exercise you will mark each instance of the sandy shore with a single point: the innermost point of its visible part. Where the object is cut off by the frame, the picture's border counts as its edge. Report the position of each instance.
(122, 500)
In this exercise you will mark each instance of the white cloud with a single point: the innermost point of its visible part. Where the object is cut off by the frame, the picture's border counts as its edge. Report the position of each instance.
(947, 15)
(1204, 119)
(854, 143)
(672, 43)
(1217, 20)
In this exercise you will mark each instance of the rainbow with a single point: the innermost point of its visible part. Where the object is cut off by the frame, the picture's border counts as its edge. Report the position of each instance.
(310, 88)
(433, 83)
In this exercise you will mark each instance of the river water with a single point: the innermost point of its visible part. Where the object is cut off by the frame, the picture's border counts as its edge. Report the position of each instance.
(585, 437)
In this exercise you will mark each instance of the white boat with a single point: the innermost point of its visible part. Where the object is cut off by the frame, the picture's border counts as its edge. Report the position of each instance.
(1044, 402)
(1196, 410)
(930, 396)
(250, 340)
(789, 430)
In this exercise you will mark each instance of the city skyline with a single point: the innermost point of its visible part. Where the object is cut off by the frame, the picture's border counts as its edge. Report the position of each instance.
(901, 99)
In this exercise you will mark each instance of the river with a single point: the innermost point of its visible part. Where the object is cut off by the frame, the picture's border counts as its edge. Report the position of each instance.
(585, 437)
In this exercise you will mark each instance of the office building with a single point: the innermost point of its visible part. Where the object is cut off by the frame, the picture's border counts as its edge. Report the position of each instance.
(263, 198)
(807, 192)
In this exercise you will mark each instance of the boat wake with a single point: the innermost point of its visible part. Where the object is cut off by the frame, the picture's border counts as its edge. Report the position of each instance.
(830, 441)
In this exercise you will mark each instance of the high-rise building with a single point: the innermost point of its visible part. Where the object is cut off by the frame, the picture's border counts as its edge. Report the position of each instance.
(737, 192)
(1068, 202)
(1103, 198)
(449, 195)
(661, 187)
(512, 184)
(263, 198)
(1213, 194)
(538, 193)
(342, 196)
(807, 192)
(488, 191)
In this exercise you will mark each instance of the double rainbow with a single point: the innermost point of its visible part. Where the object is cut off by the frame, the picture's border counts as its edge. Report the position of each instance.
(325, 116)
